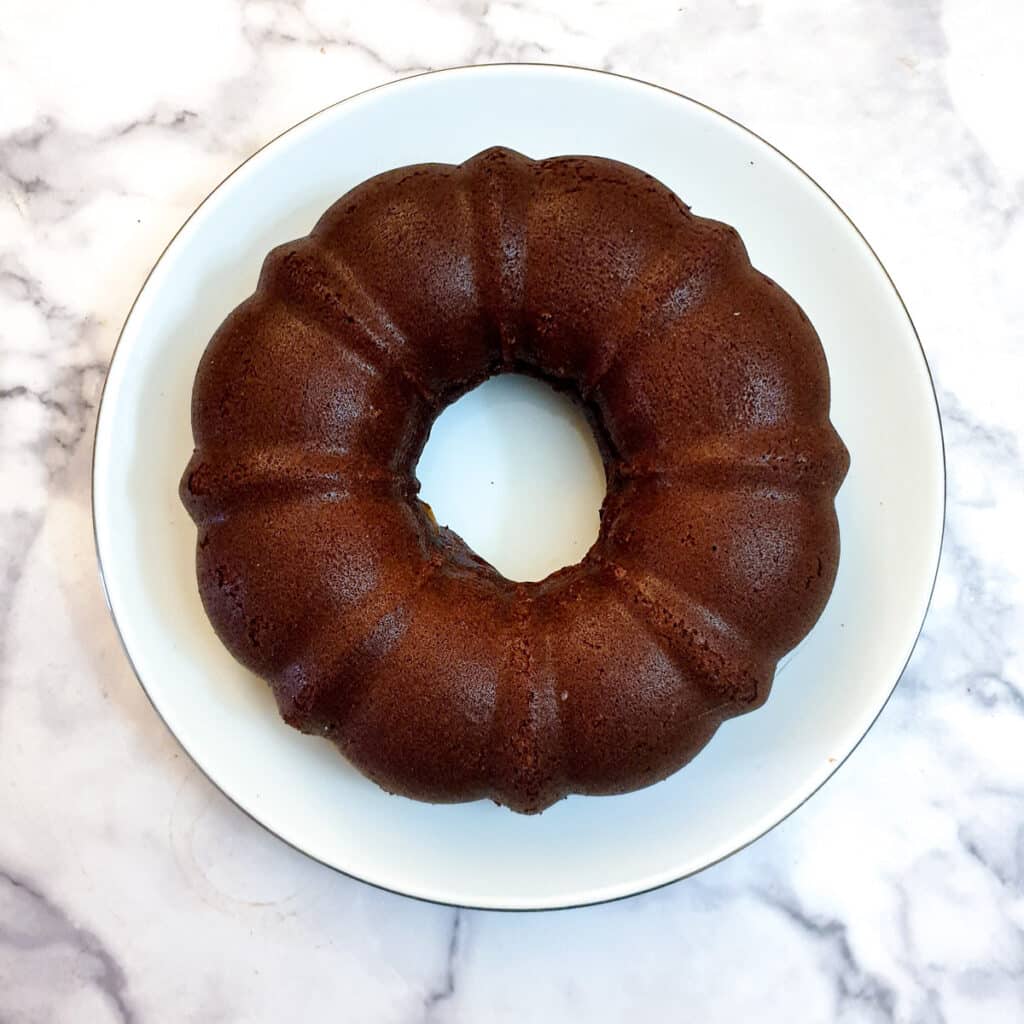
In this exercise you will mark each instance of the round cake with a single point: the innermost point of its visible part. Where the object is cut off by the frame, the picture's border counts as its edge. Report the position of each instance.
(434, 675)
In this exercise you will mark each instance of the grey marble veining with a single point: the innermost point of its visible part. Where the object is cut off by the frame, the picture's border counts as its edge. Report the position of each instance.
(130, 890)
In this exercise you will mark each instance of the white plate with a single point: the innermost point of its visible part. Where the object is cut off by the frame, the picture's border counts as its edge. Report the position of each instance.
(758, 768)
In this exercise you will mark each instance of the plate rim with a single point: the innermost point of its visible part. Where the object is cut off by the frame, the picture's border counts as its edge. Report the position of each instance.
(583, 70)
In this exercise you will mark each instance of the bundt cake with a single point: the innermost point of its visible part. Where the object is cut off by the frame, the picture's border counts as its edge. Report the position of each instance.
(437, 677)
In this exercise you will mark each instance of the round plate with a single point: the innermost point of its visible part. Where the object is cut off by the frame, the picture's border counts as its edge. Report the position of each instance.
(759, 767)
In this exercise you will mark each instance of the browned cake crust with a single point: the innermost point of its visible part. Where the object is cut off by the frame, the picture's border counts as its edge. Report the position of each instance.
(433, 674)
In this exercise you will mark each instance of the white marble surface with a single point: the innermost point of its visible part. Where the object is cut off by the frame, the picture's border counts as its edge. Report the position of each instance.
(131, 890)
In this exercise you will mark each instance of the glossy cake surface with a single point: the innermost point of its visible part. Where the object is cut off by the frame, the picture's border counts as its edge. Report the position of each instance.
(434, 675)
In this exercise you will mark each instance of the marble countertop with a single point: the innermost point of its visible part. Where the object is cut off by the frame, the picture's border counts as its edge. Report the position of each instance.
(131, 890)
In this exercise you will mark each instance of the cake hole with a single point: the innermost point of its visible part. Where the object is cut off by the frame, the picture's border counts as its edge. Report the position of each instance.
(514, 469)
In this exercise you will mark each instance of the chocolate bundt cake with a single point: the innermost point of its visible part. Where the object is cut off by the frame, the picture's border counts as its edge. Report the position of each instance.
(434, 675)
